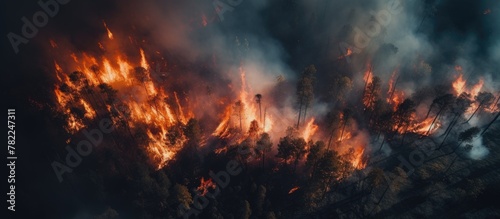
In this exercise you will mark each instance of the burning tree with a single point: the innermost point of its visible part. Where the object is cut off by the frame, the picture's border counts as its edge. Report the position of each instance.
(372, 93)
(485, 99)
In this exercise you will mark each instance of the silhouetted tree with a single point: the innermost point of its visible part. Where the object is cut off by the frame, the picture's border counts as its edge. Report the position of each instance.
(244, 211)
(404, 116)
(489, 124)
(316, 151)
(305, 93)
(327, 169)
(375, 178)
(253, 131)
(372, 93)
(346, 116)
(443, 103)
(141, 75)
(192, 131)
(462, 103)
(182, 197)
(291, 148)
(109, 92)
(384, 125)
(339, 87)
(333, 123)
(264, 145)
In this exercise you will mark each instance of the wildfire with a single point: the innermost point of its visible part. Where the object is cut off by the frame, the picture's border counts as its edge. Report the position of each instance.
(310, 130)
(477, 87)
(117, 86)
(205, 185)
(460, 84)
(244, 111)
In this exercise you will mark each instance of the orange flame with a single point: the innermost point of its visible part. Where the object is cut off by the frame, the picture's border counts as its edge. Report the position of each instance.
(143, 97)
(110, 34)
(310, 130)
(459, 84)
(394, 96)
(293, 190)
(246, 110)
(348, 53)
(205, 185)
(424, 126)
(358, 161)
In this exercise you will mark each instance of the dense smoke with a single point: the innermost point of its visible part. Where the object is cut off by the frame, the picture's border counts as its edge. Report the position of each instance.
(392, 39)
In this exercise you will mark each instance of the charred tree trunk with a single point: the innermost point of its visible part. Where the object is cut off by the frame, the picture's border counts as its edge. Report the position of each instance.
(342, 133)
(452, 162)
(381, 145)
(434, 120)
(475, 111)
(429, 111)
(489, 124)
(448, 130)
(330, 139)
(305, 111)
(300, 112)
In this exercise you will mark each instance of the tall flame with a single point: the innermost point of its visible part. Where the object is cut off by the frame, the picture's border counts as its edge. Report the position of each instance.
(394, 96)
(310, 130)
(144, 100)
(110, 34)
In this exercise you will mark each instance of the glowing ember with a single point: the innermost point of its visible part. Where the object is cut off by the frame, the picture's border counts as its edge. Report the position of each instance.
(221, 150)
(110, 34)
(205, 185)
(293, 190)
(426, 125)
(348, 53)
